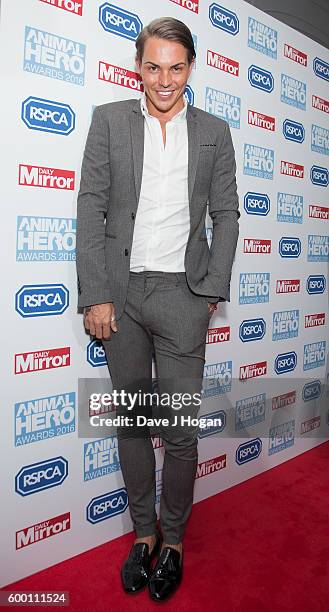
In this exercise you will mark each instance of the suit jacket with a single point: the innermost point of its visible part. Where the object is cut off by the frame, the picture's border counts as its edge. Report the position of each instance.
(111, 177)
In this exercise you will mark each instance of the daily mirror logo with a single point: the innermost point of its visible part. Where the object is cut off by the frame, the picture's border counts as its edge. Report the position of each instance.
(220, 17)
(53, 56)
(295, 55)
(43, 530)
(318, 212)
(293, 92)
(71, 6)
(258, 161)
(289, 208)
(262, 38)
(221, 62)
(42, 176)
(42, 360)
(224, 105)
(190, 5)
(320, 140)
(320, 104)
(120, 76)
(266, 122)
(119, 21)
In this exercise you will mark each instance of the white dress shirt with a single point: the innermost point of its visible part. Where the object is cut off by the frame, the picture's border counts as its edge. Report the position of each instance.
(162, 223)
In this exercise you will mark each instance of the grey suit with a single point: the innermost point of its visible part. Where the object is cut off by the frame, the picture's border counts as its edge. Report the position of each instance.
(164, 313)
(111, 179)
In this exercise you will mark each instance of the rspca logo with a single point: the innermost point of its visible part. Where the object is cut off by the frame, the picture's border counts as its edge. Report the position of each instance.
(289, 208)
(41, 300)
(285, 362)
(285, 324)
(223, 105)
(45, 239)
(40, 476)
(281, 437)
(290, 247)
(211, 430)
(248, 451)
(252, 329)
(119, 21)
(314, 355)
(258, 161)
(48, 116)
(319, 176)
(105, 506)
(262, 38)
(256, 203)
(320, 140)
(317, 248)
(53, 56)
(321, 68)
(294, 131)
(250, 411)
(293, 92)
(217, 379)
(44, 418)
(189, 94)
(316, 284)
(254, 287)
(224, 19)
(96, 355)
(101, 457)
(260, 78)
(311, 391)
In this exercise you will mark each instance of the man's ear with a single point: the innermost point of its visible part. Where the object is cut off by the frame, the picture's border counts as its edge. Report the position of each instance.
(138, 65)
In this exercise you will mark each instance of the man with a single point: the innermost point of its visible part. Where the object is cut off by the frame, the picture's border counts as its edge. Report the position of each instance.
(148, 280)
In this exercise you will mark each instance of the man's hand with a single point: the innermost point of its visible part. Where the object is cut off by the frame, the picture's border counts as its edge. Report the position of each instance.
(211, 309)
(99, 320)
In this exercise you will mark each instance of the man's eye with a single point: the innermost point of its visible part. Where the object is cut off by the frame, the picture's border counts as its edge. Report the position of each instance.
(177, 68)
(153, 68)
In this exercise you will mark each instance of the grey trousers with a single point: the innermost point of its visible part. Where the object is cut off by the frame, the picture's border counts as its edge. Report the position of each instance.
(162, 316)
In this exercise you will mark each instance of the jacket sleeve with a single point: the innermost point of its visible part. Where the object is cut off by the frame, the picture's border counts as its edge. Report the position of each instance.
(224, 212)
(92, 205)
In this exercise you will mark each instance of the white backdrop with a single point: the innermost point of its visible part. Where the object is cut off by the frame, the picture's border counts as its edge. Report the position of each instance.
(266, 368)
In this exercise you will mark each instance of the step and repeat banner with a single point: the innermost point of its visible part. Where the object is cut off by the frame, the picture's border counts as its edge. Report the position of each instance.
(266, 371)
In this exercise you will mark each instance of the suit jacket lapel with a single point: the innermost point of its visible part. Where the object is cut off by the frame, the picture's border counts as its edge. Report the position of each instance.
(137, 141)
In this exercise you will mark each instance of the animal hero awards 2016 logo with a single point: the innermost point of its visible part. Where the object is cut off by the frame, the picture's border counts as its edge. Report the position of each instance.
(314, 355)
(318, 248)
(289, 208)
(250, 411)
(293, 92)
(101, 457)
(254, 287)
(285, 324)
(54, 56)
(320, 140)
(281, 436)
(45, 239)
(262, 38)
(44, 417)
(224, 105)
(258, 161)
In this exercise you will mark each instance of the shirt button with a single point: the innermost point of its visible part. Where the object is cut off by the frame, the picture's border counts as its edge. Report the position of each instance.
(133, 215)
(126, 251)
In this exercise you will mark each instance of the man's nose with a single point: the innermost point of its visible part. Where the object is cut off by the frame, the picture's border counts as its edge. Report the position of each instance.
(165, 79)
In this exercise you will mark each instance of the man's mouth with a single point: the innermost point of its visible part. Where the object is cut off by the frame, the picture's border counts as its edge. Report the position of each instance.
(164, 94)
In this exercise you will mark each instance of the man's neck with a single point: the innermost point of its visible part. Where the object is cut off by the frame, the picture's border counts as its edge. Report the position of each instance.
(164, 117)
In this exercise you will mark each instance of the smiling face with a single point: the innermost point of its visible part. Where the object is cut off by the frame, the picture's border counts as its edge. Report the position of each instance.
(165, 71)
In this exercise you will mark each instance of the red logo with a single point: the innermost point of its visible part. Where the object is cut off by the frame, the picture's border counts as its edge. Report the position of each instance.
(252, 370)
(218, 334)
(310, 424)
(188, 4)
(222, 63)
(41, 176)
(318, 212)
(295, 55)
(263, 121)
(42, 531)
(67, 5)
(314, 320)
(320, 104)
(291, 169)
(282, 401)
(42, 360)
(119, 76)
(257, 245)
(156, 442)
(288, 286)
(212, 465)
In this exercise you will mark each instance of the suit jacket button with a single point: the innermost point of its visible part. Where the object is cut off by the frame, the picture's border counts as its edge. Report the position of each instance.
(133, 215)
(126, 251)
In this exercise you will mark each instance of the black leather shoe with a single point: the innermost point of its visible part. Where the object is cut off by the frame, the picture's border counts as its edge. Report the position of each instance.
(167, 574)
(136, 570)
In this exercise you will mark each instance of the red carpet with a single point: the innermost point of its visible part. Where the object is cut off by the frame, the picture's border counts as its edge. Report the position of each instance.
(262, 546)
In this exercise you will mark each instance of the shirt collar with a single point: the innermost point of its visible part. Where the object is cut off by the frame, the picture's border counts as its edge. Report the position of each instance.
(180, 116)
